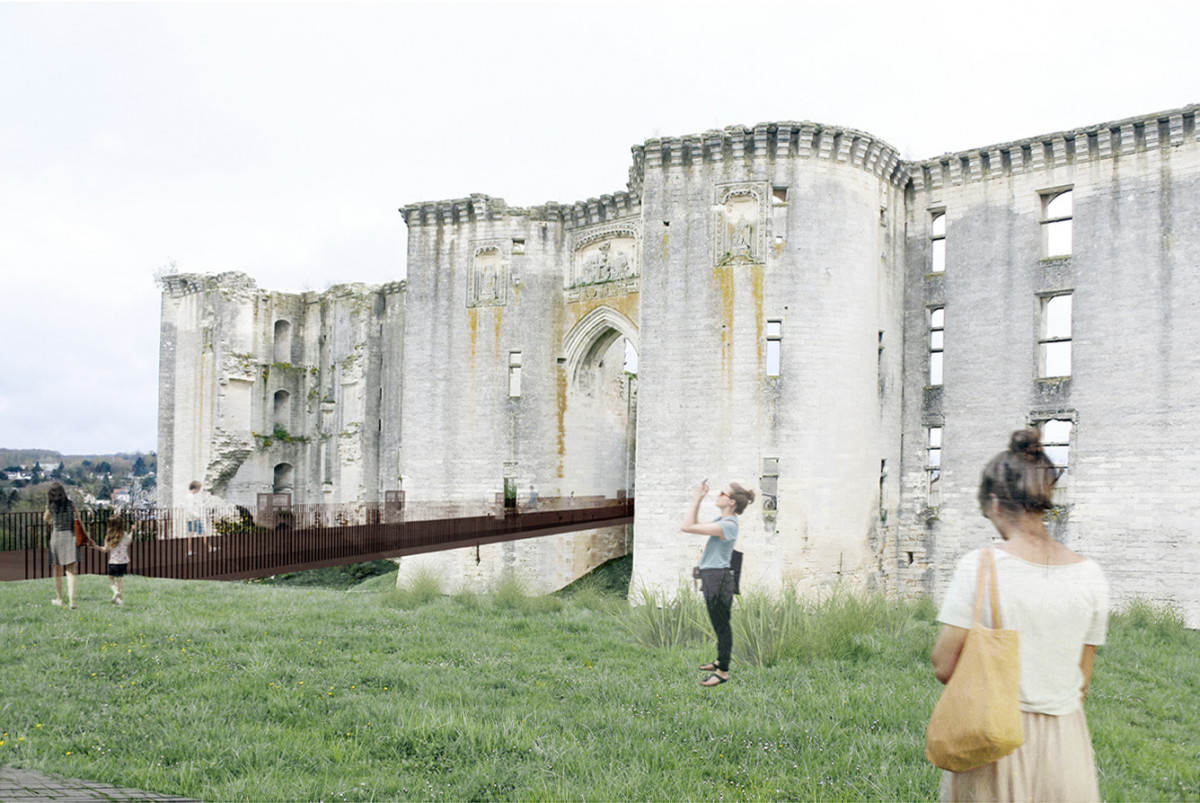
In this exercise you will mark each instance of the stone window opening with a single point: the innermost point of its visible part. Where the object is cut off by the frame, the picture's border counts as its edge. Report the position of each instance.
(779, 202)
(937, 342)
(1054, 342)
(1056, 441)
(937, 242)
(768, 484)
(882, 486)
(774, 355)
(283, 478)
(518, 245)
(281, 410)
(514, 374)
(283, 341)
(1057, 220)
(933, 466)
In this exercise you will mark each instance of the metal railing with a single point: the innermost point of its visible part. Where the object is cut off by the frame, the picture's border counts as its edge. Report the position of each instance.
(238, 545)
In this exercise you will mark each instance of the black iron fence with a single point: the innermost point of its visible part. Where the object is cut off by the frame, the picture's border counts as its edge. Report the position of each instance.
(235, 544)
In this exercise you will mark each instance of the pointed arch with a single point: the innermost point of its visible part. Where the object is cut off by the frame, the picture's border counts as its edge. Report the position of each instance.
(593, 334)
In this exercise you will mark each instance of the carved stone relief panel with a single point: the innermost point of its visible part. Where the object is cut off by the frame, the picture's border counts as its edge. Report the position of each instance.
(740, 221)
(604, 262)
(487, 281)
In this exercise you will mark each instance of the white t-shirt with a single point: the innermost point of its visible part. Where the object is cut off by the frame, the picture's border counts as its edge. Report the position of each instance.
(1055, 610)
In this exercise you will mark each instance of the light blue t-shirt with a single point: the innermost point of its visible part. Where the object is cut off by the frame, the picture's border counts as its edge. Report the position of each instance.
(718, 553)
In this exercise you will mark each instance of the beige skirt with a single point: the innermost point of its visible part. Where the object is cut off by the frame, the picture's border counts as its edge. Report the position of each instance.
(1055, 763)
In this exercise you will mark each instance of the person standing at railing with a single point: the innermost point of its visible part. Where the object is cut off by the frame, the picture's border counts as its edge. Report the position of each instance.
(716, 569)
(64, 555)
(193, 511)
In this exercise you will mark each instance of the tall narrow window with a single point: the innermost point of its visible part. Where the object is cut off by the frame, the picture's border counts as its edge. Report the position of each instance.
(282, 409)
(779, 198)
(283, 341)
(1054, 345)
(769, 483)
(937, 243)
(937, 319)
(1057, 214)
(1056, 440)
(514, 374)
(774, 346)
(933, 466)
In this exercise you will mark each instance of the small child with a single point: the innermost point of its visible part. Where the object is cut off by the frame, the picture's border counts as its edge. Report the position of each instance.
(116, 544)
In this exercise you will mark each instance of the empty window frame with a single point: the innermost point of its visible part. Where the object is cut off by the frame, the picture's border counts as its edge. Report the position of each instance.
(1057, 218)
(283, 341)
(937, 242)
(933, 466)
(1056, 440)
(514, 374)
(779, 201)
(774, 355)
(937, 341)
(1054, 340)
(769, 483)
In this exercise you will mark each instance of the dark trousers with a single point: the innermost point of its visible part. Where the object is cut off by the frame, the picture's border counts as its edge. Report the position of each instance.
(717, 586)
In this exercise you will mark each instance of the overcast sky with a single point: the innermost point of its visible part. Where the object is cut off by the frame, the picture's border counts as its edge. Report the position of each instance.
(279, 139)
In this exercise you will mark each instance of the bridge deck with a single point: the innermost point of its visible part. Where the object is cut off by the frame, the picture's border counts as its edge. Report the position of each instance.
(262, 552)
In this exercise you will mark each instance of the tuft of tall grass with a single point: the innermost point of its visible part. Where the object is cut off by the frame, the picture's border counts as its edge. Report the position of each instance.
(1163, 621)
(514, 595)
(423, 587)
(659, 620)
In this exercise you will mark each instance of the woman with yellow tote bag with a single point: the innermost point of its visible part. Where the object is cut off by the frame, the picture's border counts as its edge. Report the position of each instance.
(1057, 602)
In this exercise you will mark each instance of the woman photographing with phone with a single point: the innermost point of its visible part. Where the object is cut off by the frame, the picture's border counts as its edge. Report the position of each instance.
(716, 571)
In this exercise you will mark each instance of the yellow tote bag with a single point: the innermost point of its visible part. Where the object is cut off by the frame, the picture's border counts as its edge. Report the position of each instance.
(977, 720)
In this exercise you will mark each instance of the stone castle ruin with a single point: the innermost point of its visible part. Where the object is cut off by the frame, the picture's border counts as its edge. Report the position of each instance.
(792, 306)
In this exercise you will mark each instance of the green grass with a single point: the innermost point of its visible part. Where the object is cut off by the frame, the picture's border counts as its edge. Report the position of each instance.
(232, 691)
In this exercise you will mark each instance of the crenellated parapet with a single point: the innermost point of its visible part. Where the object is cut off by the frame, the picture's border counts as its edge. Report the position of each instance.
(232, 284)
(1146, 135)
(479, 208)
(770, 141)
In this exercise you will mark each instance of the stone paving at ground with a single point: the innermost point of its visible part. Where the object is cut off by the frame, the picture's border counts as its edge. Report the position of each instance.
(28, 785)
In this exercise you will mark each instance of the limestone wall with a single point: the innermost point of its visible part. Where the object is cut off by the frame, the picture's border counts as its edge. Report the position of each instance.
(798, 224)
(778, 287)
(276, 392)
(1133, 273)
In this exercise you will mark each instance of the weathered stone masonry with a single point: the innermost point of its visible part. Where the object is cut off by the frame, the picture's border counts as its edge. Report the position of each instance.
(780, 289)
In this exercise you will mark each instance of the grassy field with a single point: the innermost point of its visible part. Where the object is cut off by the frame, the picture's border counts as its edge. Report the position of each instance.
(230, 691)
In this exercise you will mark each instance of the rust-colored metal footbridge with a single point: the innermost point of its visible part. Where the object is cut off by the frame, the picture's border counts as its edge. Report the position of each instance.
(234, 544)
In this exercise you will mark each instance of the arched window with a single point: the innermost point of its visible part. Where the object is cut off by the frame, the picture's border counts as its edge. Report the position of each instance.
(284, 474)
(283, 341)
(282, 409)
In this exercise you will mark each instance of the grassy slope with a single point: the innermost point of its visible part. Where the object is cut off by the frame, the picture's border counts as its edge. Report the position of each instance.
(240, 692)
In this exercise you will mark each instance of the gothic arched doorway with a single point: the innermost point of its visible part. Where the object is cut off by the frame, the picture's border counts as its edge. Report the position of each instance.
(600, 415)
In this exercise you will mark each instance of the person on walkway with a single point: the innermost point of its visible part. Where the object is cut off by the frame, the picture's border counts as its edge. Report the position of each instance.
(116, 544)
(193, 511)
(64, 555)
(1057, 601)
(716, 571)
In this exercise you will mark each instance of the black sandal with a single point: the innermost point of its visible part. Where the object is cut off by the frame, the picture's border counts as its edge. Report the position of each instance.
(705, 683)
(709, 667)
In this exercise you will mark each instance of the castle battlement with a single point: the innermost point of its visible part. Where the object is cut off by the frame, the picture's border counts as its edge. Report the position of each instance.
(233, 284)
(478, 208)
(771, 141)
(1144, 134)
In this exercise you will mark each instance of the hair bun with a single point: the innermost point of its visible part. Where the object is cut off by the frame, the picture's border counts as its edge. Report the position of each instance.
(1026, 442)
(750, 494)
